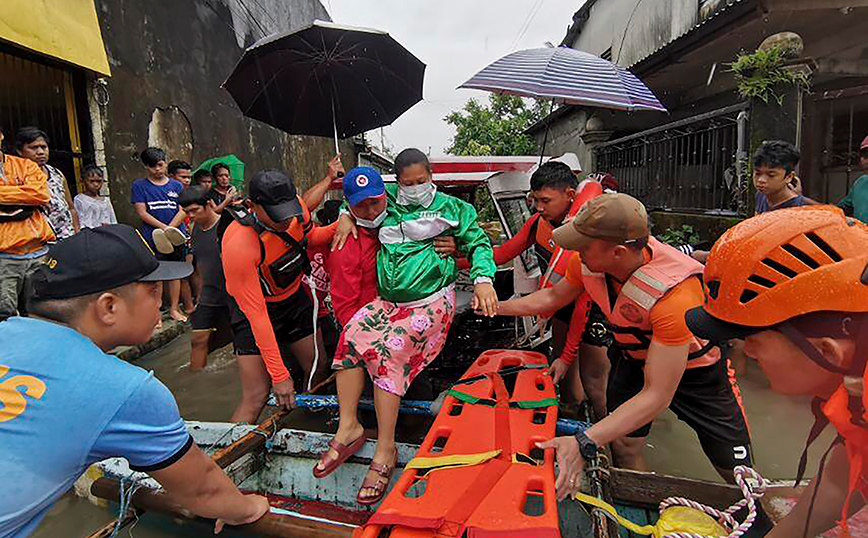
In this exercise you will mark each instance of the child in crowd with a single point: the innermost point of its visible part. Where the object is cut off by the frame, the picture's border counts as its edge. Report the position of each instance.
(774, 176)
(93, 208)
(155, 198)
(202, 178)
(397, 335)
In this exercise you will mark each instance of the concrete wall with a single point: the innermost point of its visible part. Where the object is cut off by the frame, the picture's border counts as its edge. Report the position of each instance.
(168, 59)
(649, 27)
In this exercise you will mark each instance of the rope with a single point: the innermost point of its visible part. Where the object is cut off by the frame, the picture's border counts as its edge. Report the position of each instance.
(269, 438)
(752, 486)
(126, 497)
(227, 433)
(309, 280)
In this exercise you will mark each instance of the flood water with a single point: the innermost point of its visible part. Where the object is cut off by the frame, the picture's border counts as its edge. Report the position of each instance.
(779, 426)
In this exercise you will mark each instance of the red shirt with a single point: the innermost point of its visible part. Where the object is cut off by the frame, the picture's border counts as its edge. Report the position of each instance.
(353, 272)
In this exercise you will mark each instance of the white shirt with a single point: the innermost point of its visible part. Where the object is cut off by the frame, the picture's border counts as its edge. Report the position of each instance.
(94, 212)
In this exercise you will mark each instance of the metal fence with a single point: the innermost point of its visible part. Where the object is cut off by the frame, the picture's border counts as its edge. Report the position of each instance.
(698, 164)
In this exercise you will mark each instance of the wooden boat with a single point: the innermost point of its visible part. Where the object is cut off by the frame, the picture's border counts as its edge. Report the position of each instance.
(303, 506)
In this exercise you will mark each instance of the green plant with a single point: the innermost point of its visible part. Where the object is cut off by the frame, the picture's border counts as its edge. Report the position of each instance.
(758, 74)
(685, 235)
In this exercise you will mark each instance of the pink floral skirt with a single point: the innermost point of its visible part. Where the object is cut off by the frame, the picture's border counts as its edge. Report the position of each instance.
(393, 342)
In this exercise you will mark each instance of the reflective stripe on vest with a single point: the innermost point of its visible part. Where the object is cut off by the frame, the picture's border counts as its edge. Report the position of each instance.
(630, 315)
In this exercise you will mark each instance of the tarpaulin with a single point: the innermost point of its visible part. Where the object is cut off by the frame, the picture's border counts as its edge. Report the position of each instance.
(64, 29)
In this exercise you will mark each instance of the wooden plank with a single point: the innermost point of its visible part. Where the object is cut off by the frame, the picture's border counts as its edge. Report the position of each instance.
(271, 525)
(648, 489)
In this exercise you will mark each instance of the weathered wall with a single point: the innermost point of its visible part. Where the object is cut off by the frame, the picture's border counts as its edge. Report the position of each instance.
(649, 27)
(168, 60)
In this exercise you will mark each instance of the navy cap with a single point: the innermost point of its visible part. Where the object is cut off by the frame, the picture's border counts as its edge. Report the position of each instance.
(361, 183)
(100, 259)
(275, 191)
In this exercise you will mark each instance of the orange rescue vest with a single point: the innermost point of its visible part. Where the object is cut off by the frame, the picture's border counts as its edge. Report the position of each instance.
(630, 316)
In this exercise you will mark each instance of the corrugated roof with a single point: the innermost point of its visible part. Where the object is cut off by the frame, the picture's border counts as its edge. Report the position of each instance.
(698, 27)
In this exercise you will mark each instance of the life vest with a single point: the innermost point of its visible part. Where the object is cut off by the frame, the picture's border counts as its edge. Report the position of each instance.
(630, 318)
(560, 258)
(283, 255)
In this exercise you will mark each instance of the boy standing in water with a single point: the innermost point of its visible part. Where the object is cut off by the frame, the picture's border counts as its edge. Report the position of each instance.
(93, 208)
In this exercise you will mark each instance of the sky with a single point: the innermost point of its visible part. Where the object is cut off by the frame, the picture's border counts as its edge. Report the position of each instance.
(455, 38)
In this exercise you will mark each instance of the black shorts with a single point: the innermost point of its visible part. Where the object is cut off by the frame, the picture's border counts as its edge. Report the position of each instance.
(705, 400)
(291, 320)
(218, 320)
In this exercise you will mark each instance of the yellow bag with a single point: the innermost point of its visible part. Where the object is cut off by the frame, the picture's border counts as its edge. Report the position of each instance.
(673, 519)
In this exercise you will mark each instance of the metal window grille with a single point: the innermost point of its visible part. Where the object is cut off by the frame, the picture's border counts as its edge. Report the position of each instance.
(698, 164)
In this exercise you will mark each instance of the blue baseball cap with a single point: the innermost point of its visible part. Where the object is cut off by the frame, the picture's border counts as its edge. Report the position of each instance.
(361, 183)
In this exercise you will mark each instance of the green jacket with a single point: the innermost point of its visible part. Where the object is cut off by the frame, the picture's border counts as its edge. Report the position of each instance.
(408, 267)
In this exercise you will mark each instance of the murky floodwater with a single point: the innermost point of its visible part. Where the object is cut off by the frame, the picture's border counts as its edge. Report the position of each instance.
(779, 426)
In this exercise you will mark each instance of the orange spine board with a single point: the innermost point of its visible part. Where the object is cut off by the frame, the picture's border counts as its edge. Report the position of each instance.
(498, 498)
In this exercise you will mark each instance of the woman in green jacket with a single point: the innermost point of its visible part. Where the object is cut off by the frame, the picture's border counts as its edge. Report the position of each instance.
(398, 334)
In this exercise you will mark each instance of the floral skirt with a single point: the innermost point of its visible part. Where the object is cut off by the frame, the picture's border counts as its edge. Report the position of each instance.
(393, 342)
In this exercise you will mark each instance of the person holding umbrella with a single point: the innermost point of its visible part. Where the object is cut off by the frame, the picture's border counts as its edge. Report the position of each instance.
(265, 262)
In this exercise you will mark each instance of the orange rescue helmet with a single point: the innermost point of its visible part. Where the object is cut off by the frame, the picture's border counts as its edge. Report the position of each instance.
(781, 265)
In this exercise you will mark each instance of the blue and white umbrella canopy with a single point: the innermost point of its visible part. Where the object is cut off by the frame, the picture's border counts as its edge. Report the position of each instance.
(567, 76)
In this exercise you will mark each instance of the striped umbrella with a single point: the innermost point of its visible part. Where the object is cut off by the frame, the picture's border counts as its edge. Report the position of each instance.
(567, 76)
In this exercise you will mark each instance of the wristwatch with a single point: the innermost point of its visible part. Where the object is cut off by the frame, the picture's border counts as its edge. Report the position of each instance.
(587, 448)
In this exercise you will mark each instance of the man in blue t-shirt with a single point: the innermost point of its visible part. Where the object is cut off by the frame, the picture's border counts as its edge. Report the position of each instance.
(774, 176)
(65, 403)
(155, 198)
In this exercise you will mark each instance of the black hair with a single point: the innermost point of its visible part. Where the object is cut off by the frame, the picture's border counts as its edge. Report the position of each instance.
(92, 169)
(553, 175)
(218, 166)
(409, 157)
(28, 135)
(195, 194)
(197, 177)
(777, 154)
(151, 156)
(176, 165)
(66, 310)
(330, 212)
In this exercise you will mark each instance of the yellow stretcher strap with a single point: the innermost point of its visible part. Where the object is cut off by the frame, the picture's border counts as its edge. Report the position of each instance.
(454, 460)
(675, 519)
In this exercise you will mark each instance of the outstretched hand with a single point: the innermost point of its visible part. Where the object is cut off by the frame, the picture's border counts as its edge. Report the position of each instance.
(570, 464)
(346, 227)
(484, 299)
(258, 508)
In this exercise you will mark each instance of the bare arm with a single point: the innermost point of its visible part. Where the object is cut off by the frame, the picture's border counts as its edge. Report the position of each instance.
(313, 197)
(178, 218)
(197, 484)
(828, 504)
(142, 212)
(69, 203)
(545, 300)
(663, 370)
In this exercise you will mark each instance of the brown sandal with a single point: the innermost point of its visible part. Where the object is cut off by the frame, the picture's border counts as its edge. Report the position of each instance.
(344, 452)
(378, 483)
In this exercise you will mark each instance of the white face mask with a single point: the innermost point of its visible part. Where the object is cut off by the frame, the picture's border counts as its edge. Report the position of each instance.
(422, 194)
(364, 223)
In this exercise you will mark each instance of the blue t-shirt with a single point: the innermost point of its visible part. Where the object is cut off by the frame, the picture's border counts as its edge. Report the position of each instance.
(161, 202)
(762, 203)
(64, 404)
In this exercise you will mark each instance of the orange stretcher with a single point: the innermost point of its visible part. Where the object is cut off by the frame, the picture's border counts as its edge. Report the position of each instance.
(478, 471)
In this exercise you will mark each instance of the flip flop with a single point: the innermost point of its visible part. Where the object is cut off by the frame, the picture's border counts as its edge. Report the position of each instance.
(164, 246)
(175, 236)
(378, 484)
(344, 452)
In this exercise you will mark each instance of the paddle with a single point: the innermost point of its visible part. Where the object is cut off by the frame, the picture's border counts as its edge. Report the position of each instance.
(254, 440)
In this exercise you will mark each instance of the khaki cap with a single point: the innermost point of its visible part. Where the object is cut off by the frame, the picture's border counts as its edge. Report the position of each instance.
(618, 218)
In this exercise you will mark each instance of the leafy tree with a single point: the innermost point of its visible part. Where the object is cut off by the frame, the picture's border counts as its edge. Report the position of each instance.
(496, 128)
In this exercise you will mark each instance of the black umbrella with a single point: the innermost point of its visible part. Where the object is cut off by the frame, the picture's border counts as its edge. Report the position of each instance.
(327, 79)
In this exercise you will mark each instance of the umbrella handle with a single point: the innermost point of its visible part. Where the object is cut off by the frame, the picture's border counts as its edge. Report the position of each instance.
(335, 125)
